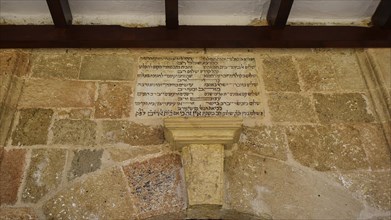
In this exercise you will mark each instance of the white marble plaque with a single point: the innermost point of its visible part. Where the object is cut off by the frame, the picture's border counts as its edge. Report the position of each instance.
(201, 86)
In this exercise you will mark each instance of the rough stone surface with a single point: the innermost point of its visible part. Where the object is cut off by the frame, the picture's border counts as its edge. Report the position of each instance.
(17, 214)
(85, 161)
(114, 100)
(121, 154)
(44, 173)
(375, 145)
(57, 93)
(348, 71)
(14, 62)
(107, 67)
(65, 66)
(317, 73)
(83, 113)
(327, 147)
(10, 90)
(264, 186)
(77, 132)
(204, 173)
(157, 185)
(33, 127)
(11, 171)
(101, 196)
(268, 141)
(345, 107)
(374, 187)
(280, 74)
(291, 107)
(131, 133)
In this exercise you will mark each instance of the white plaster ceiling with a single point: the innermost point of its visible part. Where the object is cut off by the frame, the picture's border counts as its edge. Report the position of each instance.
(191, 12)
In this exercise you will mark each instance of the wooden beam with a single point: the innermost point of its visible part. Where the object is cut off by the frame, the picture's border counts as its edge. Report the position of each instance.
(278, 13)
(60, 12)
(172, 21)
(107, 36)
(382, 15)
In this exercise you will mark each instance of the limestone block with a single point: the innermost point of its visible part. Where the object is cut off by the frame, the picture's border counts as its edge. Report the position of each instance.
(9, 213)
(130, 133)
(317, 73)
(267, 187)
(327, 148)
(265, 140)
(85, 161)
(33, 127)
(57, 93)
(114, 100)
(44, 173)
(100, 196)
(64, 66)
(122, 154)
(343, 107)
(280, 74)
(291, 107)
(157, 185)
(204, 172)
(77, 132)
(108, 67)
(11, 170)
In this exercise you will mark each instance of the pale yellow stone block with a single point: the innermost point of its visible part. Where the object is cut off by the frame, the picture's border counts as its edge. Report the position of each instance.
(204, 165)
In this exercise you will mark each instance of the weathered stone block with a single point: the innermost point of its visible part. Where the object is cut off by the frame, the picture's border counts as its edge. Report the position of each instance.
(85, 161)
(267, 187)
(83, 113)
(121, 154)
(77, 132)
(348, 71)
(44, 174)
(280, 74)
(101, 196)
(108, 67)
(11, 170)
(65, 66)
(14, 62)
(374, 187)
(375, 145)
(33, 127)
(266, 141)
(157, 185)
(9, 213)
(291, 107)
(317, 73)
(114, 100)
(204, 165)
(131, 133)
(345, 107)
(327, 148)
(57, 93)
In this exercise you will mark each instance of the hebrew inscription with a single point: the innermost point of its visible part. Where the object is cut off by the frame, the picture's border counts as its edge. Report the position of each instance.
(187, 86)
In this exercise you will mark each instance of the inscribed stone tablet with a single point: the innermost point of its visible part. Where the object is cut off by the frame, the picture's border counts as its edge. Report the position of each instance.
(202, 86)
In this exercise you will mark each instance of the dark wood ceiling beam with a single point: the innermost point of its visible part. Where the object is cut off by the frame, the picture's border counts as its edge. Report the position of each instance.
(278, 13)
(60, 12)
(382, 15)
(172, 21)
(107, 36)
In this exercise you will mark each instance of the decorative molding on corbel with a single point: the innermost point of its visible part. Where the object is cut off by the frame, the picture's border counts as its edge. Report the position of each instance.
(180, 132)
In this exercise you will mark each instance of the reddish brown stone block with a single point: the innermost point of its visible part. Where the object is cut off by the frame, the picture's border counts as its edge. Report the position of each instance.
(11, 171)
(157, 185)
(114, 100)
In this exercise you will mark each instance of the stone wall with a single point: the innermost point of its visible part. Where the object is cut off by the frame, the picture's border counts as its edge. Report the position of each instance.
(72, 148)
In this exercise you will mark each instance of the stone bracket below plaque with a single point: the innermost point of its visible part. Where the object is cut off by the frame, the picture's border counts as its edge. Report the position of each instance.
(180, 132)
